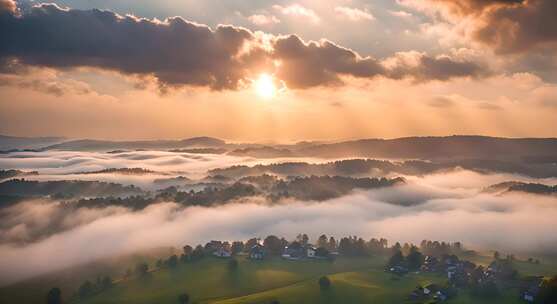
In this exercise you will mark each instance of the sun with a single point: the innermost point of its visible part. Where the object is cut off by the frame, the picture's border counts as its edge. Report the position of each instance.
(265, 86)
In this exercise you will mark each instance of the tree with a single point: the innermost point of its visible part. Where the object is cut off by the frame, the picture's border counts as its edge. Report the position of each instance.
(187, 250)
(322, 252)
(496, 255)
(172, 261)
(54, 296)
(332, 244)
(141, 269)
(324, 282)
(86, 289)
(396, 259)
(303, 239)
(273, 245)
(198, 253)
(250, 243)
(322, 241)
(106, 282)
(237, 247)
(184, 298)
(414, 258)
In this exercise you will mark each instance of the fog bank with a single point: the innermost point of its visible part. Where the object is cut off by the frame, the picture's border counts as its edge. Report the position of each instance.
(512, 223)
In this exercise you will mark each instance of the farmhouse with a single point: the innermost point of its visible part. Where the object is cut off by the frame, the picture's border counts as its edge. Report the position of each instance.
(257, 252)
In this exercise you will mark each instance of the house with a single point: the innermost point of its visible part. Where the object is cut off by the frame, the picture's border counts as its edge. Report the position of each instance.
(430, 264)
(293, 252)
(222, 252)
(310, 252)
(257, 252)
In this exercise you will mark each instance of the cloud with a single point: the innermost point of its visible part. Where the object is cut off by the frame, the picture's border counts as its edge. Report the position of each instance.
(401, 14)
(8, 6)
(354, 14)
(259, 19)
(480, 221)
(298, 10)
(178, 53)
(175, 51)
(40, 80)
(423, 67)
(506, 26)
(443, 206)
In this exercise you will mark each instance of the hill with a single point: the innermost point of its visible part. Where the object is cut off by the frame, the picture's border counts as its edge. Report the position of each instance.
(449, 147)
(13, 142)
(92, 144)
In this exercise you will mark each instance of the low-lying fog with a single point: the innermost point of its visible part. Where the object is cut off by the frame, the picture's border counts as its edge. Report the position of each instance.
(448, 207)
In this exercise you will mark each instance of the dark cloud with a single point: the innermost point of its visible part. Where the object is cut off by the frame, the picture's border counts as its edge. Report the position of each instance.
(474, 6)
(422, 67)
(178, 52)
(311, 64)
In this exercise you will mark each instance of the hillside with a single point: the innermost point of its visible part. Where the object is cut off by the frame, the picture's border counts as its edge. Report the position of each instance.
(13, 142)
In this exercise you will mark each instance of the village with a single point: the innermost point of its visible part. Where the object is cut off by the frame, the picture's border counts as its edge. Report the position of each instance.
(482, 281)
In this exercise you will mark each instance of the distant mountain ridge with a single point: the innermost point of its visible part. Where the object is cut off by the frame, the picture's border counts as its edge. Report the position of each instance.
(448, 147)
(92, 144)
(14, 142)
(542, 150)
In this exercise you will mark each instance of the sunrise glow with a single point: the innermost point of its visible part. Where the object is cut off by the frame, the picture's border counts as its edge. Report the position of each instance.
(265, 86)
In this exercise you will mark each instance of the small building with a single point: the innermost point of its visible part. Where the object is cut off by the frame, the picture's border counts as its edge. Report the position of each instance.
(222, 252)
(257, 252)
(310, 252)
(293, 252)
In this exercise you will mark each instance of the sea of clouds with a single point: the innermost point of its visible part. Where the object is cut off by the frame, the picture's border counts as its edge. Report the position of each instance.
(449, 206)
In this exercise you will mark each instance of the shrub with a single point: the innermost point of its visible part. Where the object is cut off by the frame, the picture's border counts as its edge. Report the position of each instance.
(324, 282)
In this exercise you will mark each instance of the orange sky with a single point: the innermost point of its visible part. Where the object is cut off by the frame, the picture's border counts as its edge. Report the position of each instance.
(309, 90)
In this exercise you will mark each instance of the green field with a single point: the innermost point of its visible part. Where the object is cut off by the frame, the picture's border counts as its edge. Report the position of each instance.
(354, 280)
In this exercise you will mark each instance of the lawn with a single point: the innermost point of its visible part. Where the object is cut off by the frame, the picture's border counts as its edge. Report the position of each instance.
(354, 280)
(211, 280)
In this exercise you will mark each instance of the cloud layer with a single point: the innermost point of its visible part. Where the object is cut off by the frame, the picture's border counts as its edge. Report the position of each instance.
(479, 221)
(447, 207)
(178, 52)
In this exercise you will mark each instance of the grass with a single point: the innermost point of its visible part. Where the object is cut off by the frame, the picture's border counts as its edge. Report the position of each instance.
(210, 281)
(35, 290)
(354, 280)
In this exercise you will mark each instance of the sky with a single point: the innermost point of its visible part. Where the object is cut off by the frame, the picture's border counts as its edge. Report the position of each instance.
(275, 70)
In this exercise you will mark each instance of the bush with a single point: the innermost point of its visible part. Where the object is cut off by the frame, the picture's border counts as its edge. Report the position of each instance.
(141, 269)
(54, 296)
(184, 298)
(324, 282)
